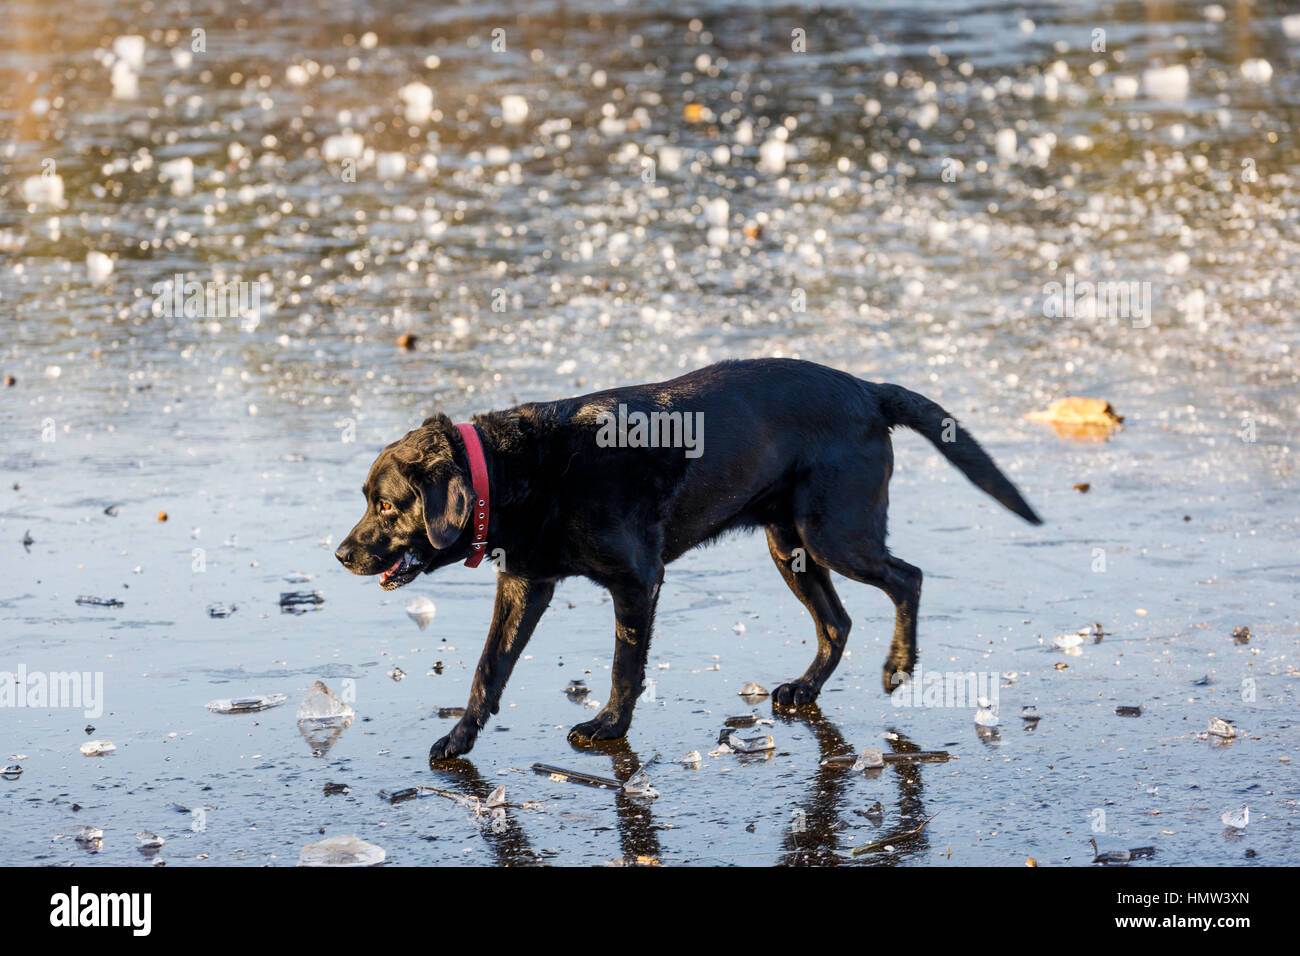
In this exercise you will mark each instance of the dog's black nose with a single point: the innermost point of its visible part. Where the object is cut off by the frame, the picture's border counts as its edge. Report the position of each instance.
(344, 552)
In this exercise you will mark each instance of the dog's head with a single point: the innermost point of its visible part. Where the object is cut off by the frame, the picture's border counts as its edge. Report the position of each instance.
(419, 502)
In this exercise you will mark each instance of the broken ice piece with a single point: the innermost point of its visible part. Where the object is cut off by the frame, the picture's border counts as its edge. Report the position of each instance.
(840, 760)
(323, 706)
(692, 759)
(1238, 819)
(1221, 728)
(89, 600)
(1030, 713)
(421, 610)
(397, 796)
(245, 705)
(299, 602)
(149, 841)
(92, 835)
(497, 798)
(747, 720)
(751, 745)
(220, 610)
(396, 673)
(875, 812)
(869, 759)
(753, 690)
(297, 577)
(447, 712)
(987, 714)
(1067, 641)
(12, 772)
(347, 850)
(1126, 711)
(638, 785)
(1113, 856)
(577, 689)
(1120, 856)
(96, 748)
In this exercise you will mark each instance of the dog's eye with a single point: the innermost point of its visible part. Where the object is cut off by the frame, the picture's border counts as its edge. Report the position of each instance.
(386, 508)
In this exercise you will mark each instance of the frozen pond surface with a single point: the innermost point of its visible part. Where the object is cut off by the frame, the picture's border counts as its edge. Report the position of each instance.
(683, 187)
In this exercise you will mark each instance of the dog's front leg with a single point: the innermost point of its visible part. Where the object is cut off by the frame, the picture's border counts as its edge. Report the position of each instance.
(634, 612)
(519, 605)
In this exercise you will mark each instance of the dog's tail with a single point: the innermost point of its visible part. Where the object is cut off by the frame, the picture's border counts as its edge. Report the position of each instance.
(904, 407)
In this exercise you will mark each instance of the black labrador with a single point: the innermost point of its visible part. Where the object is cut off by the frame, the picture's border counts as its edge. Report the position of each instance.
(615, 485)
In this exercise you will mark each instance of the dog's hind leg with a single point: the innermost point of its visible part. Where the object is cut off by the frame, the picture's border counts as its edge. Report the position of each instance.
(634, 612)
(811, 584)
(902, 582)
(898, 579)
(851, 541)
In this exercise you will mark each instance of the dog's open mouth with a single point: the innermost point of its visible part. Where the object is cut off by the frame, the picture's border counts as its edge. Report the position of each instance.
(404, 570)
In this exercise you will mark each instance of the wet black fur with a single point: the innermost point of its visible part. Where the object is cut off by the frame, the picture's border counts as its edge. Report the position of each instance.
(798, 449)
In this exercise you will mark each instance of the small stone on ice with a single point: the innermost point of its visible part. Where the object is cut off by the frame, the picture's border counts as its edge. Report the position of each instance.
(347, 850)
(421, 610)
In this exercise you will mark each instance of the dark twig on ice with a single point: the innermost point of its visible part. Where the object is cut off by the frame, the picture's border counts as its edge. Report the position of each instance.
(889, 840)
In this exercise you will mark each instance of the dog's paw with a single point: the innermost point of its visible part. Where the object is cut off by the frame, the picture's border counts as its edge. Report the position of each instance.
(601, 727)
(794, 694)
(459, 741)
(894, 675)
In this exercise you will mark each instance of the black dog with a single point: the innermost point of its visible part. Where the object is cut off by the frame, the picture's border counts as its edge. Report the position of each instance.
(615, 485)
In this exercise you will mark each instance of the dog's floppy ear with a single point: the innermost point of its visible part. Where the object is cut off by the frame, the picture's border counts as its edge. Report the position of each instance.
(448, 503)
(446, 493)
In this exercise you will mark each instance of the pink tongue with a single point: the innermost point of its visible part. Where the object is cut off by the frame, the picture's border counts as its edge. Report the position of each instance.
(385, 575)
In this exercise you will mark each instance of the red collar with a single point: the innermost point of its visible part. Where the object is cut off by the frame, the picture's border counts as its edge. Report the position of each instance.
(482, 500)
